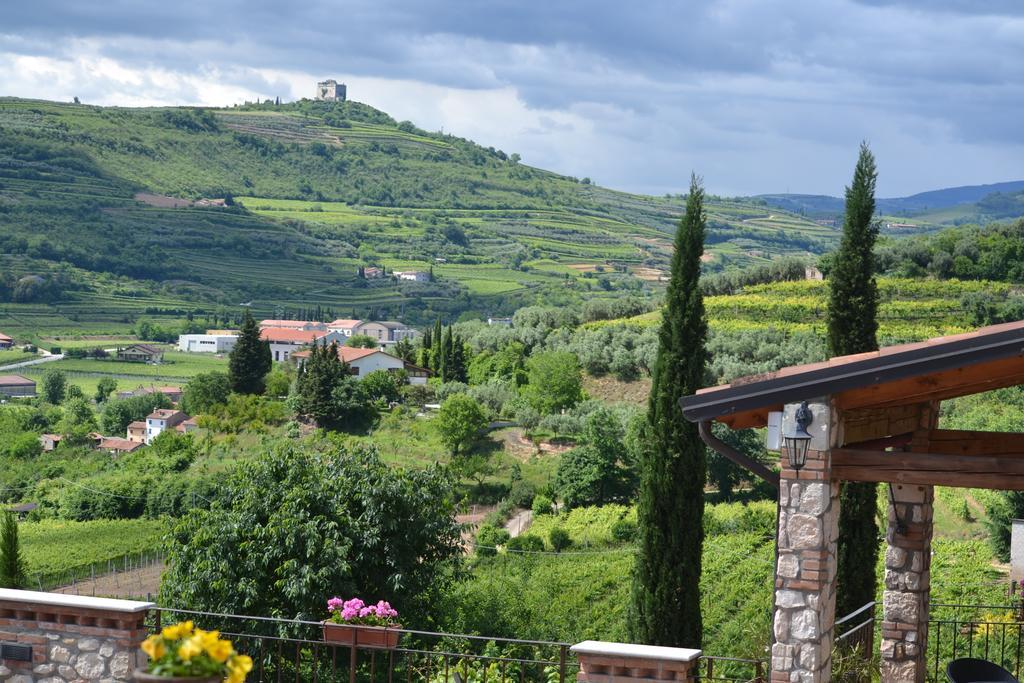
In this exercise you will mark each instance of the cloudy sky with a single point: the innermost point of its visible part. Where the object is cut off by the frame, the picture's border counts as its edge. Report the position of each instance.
(755, 95)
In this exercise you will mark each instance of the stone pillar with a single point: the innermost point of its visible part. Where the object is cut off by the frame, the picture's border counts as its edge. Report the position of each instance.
(805, 597)
(71, 637)
(602, 662)
(907, 583)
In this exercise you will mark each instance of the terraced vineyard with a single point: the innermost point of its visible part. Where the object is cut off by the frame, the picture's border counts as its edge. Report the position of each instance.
(323, 189)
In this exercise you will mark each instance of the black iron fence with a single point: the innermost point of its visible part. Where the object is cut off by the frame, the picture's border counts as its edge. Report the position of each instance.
(292, 650)
(991, 632)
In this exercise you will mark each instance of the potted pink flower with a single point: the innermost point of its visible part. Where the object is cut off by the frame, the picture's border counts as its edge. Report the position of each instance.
(354, 623)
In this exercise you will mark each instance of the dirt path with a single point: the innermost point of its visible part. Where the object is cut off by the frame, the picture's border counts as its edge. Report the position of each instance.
(138, 583)
(519, 523)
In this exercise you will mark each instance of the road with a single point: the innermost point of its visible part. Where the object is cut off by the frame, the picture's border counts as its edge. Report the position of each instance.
(519, 523)
(35, 361)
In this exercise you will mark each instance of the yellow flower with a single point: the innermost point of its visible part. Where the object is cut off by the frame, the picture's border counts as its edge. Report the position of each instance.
(178, 631)
(207, 638)
(189, 649)
(238, 667)
(154, 647)
(220, 650)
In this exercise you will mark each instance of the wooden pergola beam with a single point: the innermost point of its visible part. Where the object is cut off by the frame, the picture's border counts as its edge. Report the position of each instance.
(1001, 472)
(964, 442)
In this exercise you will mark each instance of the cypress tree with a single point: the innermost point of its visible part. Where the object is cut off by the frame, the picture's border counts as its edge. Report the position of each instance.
(12, 562)
(459, 373)
(665, 606)
(249, 361)
(425, 345)
(437, 349)
(447, 365)
(852, 328)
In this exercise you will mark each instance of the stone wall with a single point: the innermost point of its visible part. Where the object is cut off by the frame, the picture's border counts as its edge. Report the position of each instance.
(73, 638)
(907, 583)
(805, 574)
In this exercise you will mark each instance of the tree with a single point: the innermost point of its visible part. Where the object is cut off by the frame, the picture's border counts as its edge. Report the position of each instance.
(852, 328)
(54, 386)
(279, 381)
(665, 607)
(250, 359)
(384, 386)
(361, 341)
(559, 539)
(297, 526)
(591, 474)
(460, 422)
(327, 393)
(104, 388)
(13, 573)
(204, 391)
(554, 382)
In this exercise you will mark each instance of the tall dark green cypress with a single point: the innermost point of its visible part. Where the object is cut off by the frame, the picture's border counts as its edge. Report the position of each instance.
(852, 328)
(665, 606)
(437, 350)
(249, 361)
(12, 561)
(447, 364)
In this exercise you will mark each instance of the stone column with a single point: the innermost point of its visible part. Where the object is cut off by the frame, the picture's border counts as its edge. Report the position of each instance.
(907, 584)
(805, 597)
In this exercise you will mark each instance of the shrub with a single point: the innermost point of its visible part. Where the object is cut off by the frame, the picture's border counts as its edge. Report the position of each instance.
(521, 494)
(542, 505)
(488, 538)
(527, 543)
(559, 539)
(624, 530)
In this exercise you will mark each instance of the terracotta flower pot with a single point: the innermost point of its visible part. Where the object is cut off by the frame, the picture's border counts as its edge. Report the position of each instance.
(141, 676)
(385, 637)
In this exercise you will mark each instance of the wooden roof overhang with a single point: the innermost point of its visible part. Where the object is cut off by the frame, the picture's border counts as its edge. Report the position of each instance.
(881, 394)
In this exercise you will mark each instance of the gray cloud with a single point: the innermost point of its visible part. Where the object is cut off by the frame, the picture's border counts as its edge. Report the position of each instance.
(752, 93)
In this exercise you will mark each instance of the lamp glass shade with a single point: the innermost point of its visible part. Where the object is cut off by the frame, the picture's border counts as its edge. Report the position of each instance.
(797, 445)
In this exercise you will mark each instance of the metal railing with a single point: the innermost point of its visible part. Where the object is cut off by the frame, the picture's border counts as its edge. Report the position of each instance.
(991, 632)
(294, 650)
(856, 631)
(734, 669)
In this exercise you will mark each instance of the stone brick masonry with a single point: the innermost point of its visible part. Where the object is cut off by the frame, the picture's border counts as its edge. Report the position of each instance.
(73, 638)
(805, 575)
(907, 583)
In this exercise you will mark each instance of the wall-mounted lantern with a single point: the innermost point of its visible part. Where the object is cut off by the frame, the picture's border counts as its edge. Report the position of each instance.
(798, 440)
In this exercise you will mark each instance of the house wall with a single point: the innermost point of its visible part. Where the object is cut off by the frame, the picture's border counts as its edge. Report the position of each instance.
(206, 343)
(377, 361)
(17, 390)
(375, 331)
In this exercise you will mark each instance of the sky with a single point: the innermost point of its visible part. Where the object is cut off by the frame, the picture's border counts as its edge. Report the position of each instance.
(756, 96)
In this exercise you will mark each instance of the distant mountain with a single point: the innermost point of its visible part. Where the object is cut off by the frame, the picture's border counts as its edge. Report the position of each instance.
(914, 205)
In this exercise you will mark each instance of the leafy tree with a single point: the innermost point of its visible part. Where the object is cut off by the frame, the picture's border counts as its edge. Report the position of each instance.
(74, 391)
(249, 361)
(1001, 511)
(327, 393)
(13, 573)
(555, 381)
(296, 526)
(104, 388)
(204, 391)
(54, 385)
(852, 328)
(77, 421)
(665, 606)
(361, 341)
(591, 474)
(23, 446)
(488, 538)
(278, 381)
(384, 386)
(405, 350)
(460, 422)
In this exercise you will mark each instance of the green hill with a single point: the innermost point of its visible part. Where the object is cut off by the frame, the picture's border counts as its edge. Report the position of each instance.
(112, 214)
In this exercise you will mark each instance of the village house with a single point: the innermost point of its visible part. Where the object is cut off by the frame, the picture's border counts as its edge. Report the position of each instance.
(364, 361)
(117, 446)
(5, 341)
(141, 353)
(137, 431)
(285, 342)
(16, 386)
(211, 342)
(413, 275)
(23, 509)
(49, 441)
(188, 426)
(385, 332)
(293, 325)
(507, 322)
(373, 272)
(161, 419)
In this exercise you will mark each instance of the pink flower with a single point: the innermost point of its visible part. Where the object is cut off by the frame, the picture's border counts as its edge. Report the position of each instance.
(335, 604)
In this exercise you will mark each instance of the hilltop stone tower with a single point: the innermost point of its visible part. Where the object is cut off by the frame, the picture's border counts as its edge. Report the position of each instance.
(331, 91)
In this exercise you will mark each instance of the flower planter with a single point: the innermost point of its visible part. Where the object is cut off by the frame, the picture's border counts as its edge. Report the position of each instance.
(381, 637)
(141, 676)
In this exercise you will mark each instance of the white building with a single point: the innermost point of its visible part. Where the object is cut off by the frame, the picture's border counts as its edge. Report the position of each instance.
(284, 342)
(413, 275)
(161, 419)
(385, 332)
(207, 343)
(364, 361)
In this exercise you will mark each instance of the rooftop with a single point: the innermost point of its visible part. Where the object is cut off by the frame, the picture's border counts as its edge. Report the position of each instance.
(15, 380)
(290, 336)
(163, 414)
